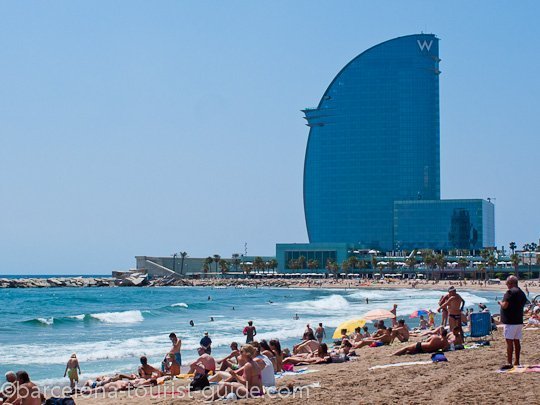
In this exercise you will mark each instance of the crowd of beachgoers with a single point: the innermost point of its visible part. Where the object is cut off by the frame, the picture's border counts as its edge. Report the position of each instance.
(250, 369)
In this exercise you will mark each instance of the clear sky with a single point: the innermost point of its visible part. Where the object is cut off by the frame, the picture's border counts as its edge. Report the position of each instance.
(145, 128)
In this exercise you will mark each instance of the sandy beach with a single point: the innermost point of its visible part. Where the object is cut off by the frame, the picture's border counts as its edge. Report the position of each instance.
(533, 285)
(469, 377)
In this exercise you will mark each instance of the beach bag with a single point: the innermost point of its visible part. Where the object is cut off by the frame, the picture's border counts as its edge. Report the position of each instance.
(437, 357)
(200, 382)
(60, 401)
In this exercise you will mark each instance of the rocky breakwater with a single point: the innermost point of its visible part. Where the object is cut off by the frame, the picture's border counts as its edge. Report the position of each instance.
(242, 282)
(55, 282)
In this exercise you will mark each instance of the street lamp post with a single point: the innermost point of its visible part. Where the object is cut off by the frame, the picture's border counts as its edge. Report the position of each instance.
(174, 262)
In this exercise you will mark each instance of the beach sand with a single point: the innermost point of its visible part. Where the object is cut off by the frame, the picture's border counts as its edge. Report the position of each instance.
(532, 285)
(469, 377)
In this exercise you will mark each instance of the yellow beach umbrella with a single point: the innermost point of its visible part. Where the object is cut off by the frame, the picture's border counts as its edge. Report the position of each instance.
(350, 325)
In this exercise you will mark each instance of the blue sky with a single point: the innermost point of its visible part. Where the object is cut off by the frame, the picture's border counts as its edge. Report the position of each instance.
(144, 128)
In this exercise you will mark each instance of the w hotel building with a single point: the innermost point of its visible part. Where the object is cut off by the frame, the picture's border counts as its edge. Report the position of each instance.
(372, 165)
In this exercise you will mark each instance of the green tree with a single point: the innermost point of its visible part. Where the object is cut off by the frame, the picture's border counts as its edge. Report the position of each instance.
(236, 260)
(206, 269)
(482, 271)
(332, 267)
(440, 260)
(492, 262)
(512, 246)
(462, 263)
(272, 264)
(429, 260)
(216, 259)
(258, 263)
(410, 262)
(223, 266)
(208, 262)
(302, 262)
(353, 262)
(346, 266)
(514, 258)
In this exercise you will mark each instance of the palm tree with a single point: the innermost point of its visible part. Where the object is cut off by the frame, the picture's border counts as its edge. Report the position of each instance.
(482, 269)
(311, 264)
(302, 262)
(208, 261)
(345, 266)
(236, 260)
(332, 266)
(411, 262)
(272, 264)
(258, 263)
(353, 261)
(223, 266)
(429, 260)
(492, 262)
(440, 260)
(514, 258)
(206, 269)
(512, 246)
(183, 256)
(462, 264)
(374, 262)
(217, 258)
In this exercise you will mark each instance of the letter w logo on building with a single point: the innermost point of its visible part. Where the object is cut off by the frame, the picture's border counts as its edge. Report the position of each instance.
(424, 45)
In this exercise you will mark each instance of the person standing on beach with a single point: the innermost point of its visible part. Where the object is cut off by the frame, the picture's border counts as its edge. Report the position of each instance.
(177, 346)
(206, 342)
(453, 304)
(444, 311)
(250, 332)
(71, 370)
(512, 318)
(394, 311)
(320, 333)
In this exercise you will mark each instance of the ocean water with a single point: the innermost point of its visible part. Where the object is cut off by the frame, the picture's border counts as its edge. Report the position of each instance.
(110, 328)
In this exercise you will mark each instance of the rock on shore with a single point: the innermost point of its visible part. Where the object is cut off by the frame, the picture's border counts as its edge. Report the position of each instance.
(55, 282)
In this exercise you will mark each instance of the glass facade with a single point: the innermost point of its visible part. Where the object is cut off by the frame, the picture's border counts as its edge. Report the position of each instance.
(444, 224)
(373, 140)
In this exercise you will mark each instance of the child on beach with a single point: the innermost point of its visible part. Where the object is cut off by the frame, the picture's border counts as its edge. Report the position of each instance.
(71, 370)
(423, 323)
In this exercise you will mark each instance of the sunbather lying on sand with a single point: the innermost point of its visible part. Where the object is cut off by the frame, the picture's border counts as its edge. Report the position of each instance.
(433, 344)
(307, 346)
(321, 356)
(385, 339)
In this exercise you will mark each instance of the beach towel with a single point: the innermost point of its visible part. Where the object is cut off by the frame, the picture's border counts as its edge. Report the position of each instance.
(521, 369)
(406, 363)
(297, 372)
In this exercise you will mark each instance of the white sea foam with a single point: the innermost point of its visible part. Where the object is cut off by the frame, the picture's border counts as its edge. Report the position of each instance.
(331, 303)
(78, 317)
(180, 304)
(119, 317)
(46, 321)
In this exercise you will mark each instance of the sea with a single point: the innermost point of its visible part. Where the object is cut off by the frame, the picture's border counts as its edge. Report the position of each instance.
(110, 328)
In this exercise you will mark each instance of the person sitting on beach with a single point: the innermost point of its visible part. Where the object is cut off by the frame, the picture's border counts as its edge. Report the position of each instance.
(265, 349)
(8, 388)
(204, 363)
(248, 384)
(172, 366)
(434, 343)
(227, 362)
(26, 392)
(267, 367)
(146, 370)
(423, 323)
(381, 330)
(357, 335)
(385, 339)
(307, 346)
(276, 349)
(71, 370)
(366, 332)
(401, 332)
(457, 337)
(321, 356)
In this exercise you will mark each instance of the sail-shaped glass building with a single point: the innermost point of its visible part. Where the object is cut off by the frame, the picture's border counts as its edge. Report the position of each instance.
(372, 164)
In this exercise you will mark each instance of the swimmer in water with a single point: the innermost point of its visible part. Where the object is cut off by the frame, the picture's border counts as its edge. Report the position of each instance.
(211, 319)
(296, 317)
(192, 323)
(209, 298)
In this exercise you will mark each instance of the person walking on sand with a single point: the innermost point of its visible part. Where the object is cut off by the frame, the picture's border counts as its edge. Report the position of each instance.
(71, 370)
(177, 346)
(250, 332)
(320, 333)
(512, 318)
